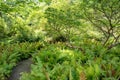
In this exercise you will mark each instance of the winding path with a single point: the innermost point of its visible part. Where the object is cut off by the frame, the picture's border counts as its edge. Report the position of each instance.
(23, 66)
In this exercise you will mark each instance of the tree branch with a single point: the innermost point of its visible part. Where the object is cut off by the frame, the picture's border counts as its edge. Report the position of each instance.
(113, 45)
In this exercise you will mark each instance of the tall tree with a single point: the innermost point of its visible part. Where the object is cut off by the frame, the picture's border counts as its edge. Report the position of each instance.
(105, 16)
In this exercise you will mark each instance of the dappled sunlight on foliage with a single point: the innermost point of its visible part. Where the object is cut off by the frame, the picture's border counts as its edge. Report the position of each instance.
(65, 39)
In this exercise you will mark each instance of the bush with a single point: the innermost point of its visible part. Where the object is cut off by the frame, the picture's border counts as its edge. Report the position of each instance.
(58, 62)
(2, 29)
(10, 54)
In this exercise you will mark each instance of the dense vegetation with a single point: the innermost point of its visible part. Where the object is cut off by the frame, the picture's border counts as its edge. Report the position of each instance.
(66, 39)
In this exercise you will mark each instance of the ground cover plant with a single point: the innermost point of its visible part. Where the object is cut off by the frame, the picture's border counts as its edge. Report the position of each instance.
(66, 39)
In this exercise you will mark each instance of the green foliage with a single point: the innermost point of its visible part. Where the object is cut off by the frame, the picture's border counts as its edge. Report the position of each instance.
(51, 62)
(104, 16)
(61, 20)
(60, 62)
(2, 29)
(10, 54)
(7, 61)
(24, 34)
(84, 45)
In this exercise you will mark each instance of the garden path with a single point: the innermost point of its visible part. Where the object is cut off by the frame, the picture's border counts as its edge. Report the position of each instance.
(23, 66)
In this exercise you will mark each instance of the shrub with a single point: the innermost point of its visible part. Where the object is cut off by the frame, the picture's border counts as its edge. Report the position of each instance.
(10, 54)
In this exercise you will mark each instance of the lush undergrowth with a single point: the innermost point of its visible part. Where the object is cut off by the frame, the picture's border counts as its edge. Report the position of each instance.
(66, 39)
(59, 62)
(10, 54)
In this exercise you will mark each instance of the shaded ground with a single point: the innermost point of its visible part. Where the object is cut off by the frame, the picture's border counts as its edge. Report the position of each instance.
(23, 66)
